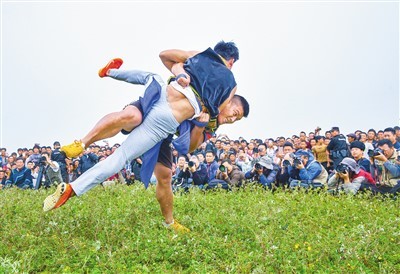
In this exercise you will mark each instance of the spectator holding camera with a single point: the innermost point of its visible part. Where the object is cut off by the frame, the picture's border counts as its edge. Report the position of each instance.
(357, 149)
(264, 172)
(305, 171)
(385, 166)
(349, 177)
(228, 176)
(284, 176)
(20, 176)
(49, 172)
(193, 172)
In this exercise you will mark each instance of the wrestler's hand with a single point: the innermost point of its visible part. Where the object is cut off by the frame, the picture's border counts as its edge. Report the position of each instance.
(182, 81)
(204, 117)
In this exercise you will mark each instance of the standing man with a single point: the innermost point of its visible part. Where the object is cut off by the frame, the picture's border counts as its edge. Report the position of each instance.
(60, 158)
(337, 147)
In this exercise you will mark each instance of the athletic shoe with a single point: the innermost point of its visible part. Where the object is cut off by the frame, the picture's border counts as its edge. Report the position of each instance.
(177, 227)
(115, 63)
(73, 150)
(58, 198)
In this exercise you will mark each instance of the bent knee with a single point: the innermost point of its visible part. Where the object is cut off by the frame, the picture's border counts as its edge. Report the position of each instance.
(130, 117)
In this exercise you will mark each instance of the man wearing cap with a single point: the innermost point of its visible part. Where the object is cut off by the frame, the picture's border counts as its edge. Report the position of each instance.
(60, 157)
(357, 149)
(264, 172)
(337, 147)
(351, 137)
(349, 177)
(306, 172)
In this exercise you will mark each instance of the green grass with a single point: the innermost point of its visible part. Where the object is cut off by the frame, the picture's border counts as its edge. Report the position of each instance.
(118, 230)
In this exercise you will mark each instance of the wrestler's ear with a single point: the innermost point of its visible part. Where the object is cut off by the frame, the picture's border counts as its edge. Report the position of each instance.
(230, 63)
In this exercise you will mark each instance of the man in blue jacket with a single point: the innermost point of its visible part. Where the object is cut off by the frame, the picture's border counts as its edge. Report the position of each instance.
(264, 172)
(20, 176)
(306, 172)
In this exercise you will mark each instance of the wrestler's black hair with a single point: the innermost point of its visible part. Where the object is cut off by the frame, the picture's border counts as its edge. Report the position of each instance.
(227, 50)
(244, 103)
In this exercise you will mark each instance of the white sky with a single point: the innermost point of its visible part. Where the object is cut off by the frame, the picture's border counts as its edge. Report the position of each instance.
(302, 64)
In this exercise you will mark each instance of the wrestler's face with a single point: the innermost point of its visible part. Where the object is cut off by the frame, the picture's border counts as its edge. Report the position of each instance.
(230, 114)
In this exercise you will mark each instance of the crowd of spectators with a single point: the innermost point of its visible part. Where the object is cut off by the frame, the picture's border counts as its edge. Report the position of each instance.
(332, 161)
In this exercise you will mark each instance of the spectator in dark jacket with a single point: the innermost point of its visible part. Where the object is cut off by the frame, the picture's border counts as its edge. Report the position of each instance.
(88, 159)
(20, 176)
(211, 165)
(59, 157)
(357, 152)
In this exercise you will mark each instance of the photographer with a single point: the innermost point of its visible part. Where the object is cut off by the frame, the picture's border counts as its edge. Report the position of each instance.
(284, 176)
(305, 171)
(228, 176)
(193, 173)
(264, 172)
(349, 177)
(49, 172)
(385, 167)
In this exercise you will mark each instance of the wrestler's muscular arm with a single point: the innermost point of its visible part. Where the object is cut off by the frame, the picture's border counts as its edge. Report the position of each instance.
(173, 60)
(196, 134)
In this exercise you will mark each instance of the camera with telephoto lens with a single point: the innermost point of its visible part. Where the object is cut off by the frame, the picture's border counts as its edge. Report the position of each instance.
(190, 164)
(375, 152)
(257, 166)
(222, 168)
(43, 160)
(296, 160)
(341, 168)
(286, 163)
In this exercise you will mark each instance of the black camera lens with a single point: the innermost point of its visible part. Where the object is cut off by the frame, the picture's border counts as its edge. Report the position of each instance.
(286, 163)
(222, 168)
(257, 166)
(191, 164)
(378, 151)
(371, 153)
(341, 168)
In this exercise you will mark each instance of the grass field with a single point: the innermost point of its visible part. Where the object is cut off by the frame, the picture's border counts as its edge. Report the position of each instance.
(118, 230)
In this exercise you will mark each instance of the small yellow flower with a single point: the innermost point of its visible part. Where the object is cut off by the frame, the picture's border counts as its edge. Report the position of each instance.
(309, 248)
(296, 246)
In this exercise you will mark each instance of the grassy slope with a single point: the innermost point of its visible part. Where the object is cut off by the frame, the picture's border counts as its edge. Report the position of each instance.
(119, 230)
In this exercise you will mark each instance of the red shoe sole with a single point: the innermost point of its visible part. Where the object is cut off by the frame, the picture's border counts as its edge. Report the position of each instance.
(115, 63)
